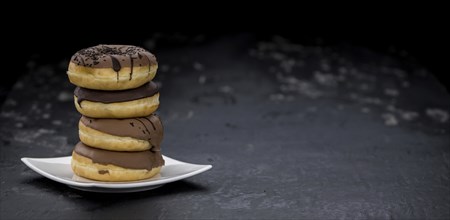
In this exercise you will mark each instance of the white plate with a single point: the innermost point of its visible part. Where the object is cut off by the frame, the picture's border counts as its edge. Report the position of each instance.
(59, 170)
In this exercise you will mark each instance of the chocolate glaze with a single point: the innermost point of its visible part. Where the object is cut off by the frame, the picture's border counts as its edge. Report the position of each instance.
(132, 160)
(132, 62)
(116, 66)
(102, 172)
(146, 90)
(148, 128)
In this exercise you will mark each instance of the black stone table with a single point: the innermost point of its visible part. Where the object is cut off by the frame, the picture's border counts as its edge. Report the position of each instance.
(292, 131)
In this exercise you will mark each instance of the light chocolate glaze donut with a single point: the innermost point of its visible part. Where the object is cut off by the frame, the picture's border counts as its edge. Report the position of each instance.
(129, 134)
(112, 67)
(104, 165)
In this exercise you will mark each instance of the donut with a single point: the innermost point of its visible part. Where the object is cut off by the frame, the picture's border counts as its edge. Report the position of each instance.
(112, 67)
(137, 102)
(104, 165)
(130, 134)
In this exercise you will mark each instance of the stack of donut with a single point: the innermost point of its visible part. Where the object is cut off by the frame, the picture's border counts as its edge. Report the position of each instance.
(120, 135)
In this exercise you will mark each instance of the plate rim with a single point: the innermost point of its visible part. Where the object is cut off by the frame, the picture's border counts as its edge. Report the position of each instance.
(112, 185)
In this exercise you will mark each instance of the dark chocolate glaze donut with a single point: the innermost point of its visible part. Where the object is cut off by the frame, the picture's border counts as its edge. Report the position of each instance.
(146, 90)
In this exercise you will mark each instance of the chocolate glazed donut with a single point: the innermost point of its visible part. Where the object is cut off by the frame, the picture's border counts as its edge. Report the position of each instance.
(112, 67)
(129, 134)
(137, 102)
(107, 165)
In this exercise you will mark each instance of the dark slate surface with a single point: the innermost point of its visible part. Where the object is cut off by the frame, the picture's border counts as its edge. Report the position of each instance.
(292, 131)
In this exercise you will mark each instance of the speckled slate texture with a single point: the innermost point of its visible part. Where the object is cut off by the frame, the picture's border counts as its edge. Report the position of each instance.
(292, 131)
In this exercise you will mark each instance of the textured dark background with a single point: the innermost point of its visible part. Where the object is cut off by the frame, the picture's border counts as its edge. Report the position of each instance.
(297, 123)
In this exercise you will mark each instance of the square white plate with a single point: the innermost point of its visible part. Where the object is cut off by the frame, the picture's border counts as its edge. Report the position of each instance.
(59, 170)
